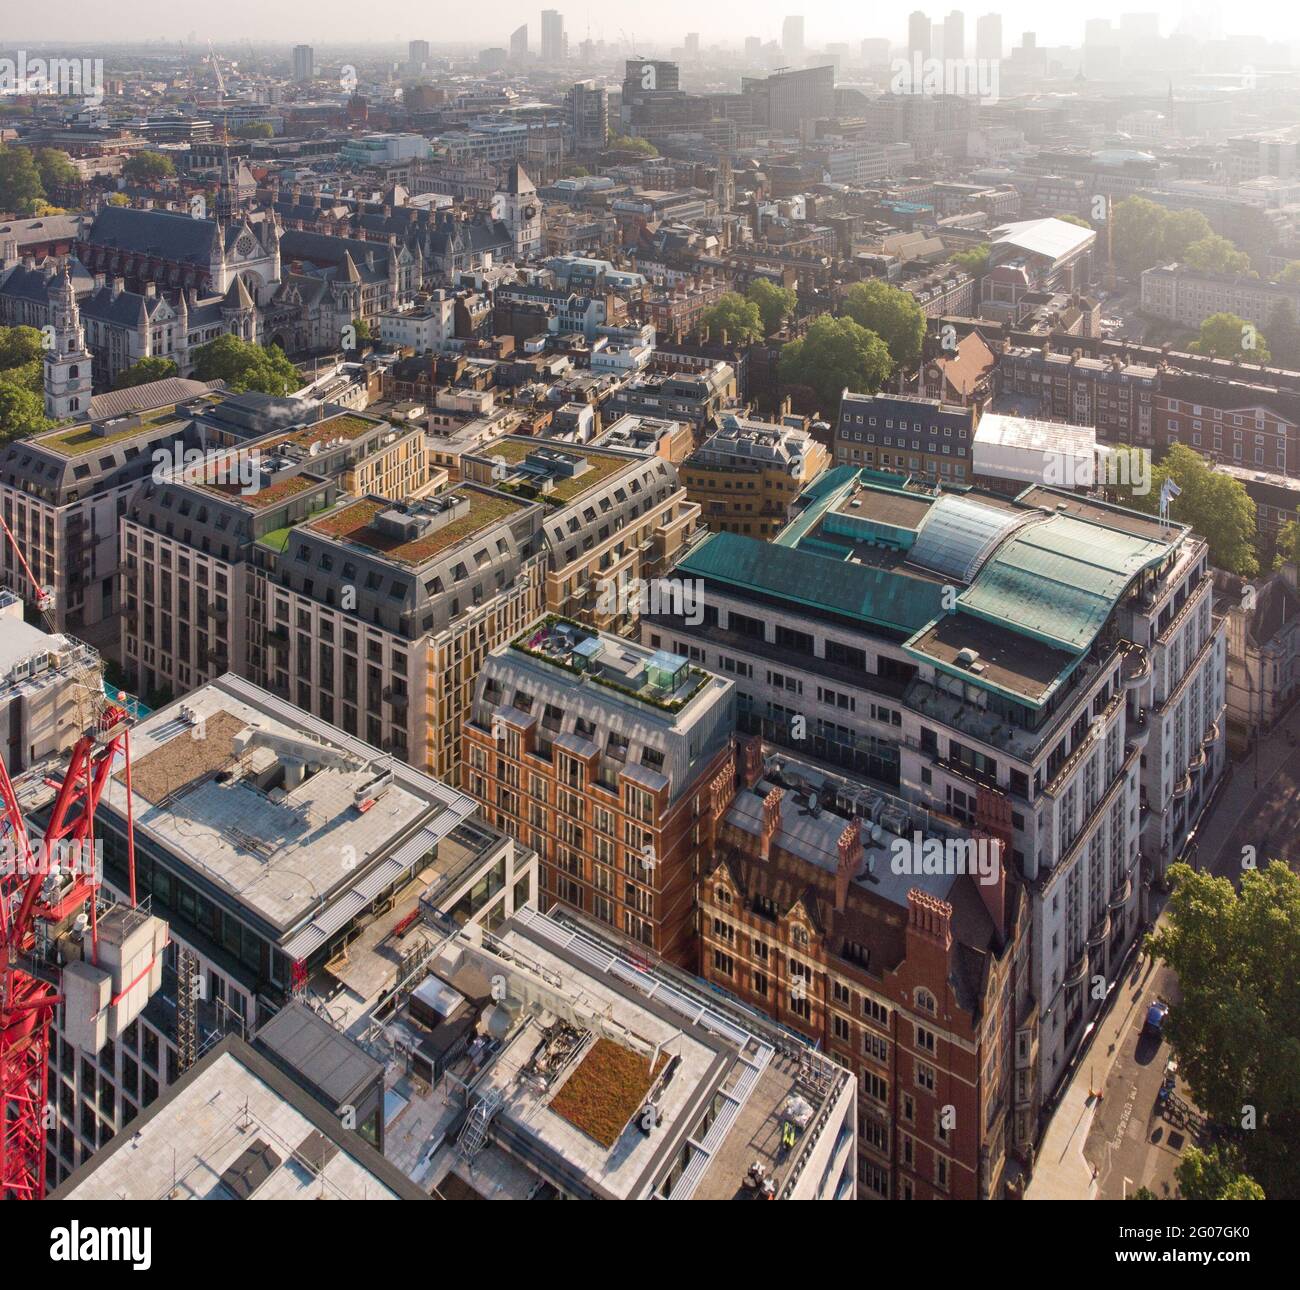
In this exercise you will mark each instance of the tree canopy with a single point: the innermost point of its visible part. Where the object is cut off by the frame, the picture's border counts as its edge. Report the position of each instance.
(775, 304)
(20, 181)
(148, 167)
(245, 366)
(1216, 505)
(145, 370)
(1224, 335)
(1236, 1029)
(892, 314)
(1215, 254)
(836, 354)
(739, 318)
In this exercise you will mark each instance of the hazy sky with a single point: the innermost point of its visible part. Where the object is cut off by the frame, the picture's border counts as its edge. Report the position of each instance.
(664, 22)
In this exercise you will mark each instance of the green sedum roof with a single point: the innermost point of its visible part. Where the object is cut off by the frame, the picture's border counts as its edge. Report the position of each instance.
(879, 596)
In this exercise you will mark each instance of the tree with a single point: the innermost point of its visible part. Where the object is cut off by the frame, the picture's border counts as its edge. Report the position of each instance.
(148, 167)
(1215, 254)
(1283, 333)
(1138, 234)
(892, 314)
(974, 259)
(836, 354)
(1216, 505)
(245, 366)
(1180, 230)
(20, 181)
(1236, 1030)
(1225, 335)
(19, 345)
(255, 130)
(55, 168)
(21, 412)
(1215, 1174)
(737, 317)
(775, 304)
(632, 143)
(145, 370)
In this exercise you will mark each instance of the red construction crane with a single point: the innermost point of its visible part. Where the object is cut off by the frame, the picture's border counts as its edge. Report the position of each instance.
(52, 884)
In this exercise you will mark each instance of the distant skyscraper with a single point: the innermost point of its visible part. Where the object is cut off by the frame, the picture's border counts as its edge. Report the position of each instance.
(304, 63)
(988, 36)
(792, 37)
(519, 43)
(553, 42)
(417, 53)
(918, 35)
(954, 35)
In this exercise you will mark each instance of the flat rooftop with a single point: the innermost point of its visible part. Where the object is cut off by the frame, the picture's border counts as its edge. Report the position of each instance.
(657, 677)
(564, 488)
(235, 1128)
(597, 1040)
(284, 851)
(1007, 660)
(355, 523)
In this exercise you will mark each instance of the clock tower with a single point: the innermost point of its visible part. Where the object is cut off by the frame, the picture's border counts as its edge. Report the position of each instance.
(519, 208)
(67, 360)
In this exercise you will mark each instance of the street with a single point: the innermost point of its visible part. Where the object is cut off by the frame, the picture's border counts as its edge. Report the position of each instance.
(1104, 1149)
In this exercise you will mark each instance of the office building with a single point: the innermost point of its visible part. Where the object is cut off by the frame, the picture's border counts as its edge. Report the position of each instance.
(555, 44)
(614, 520)
(279, 849)
(746, 476)
(610, 760)
(1071, 704)
(304, 63)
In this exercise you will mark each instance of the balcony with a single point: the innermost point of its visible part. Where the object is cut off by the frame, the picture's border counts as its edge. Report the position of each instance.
(1135, 666)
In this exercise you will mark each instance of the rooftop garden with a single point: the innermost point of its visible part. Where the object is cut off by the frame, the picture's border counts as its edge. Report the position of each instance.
(643, 694)
(606, 1090)
(513, 452)
(355, 523)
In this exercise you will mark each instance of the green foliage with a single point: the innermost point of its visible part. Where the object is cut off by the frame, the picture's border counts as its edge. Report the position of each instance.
(892, 314)
(19, 345)
(1236, 1029)
(1215, 1175)
(1215, 254)
(1283, 333)
(245, 366)
(632, 143)
(836, 354)
(22, 412)
(144, 371)
(974, 259)
(1214, 504)
(55, 168)
(739, 318)
(775, 304)
(148, 167)
(1180, 230)
(1224, 335)
(20, 181)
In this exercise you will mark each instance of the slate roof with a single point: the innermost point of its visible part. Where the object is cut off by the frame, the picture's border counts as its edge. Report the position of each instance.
(166, 234)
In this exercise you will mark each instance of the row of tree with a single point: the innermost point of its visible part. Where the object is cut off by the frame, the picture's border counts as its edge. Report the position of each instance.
(28, 176)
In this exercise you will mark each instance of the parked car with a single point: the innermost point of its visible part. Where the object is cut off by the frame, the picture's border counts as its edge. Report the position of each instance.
(1155, 1022)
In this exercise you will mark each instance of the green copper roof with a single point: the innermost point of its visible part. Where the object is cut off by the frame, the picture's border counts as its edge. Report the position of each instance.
(879, 596)
(1059, 580)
